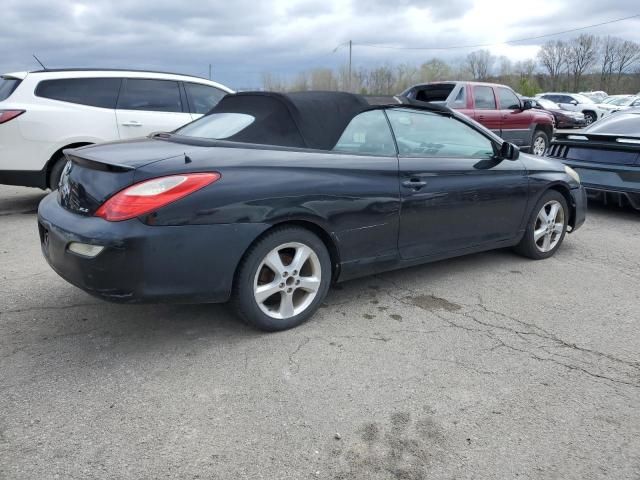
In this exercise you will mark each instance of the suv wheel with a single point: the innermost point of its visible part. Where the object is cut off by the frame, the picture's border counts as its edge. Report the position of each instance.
(589, 117)
(56, 172)
(282, 280)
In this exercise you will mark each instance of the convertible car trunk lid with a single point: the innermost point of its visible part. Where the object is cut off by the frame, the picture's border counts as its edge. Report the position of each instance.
(94, 174)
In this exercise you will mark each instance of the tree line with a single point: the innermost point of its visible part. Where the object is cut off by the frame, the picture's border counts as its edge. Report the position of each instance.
(583, 63)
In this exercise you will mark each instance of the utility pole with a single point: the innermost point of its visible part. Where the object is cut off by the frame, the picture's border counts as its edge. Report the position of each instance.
(350, 47)
(209, 71)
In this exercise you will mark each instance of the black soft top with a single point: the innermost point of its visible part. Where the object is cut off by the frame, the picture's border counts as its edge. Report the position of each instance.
(303, 119)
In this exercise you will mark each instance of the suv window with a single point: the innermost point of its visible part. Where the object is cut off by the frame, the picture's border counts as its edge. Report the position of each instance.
(508, 99)
(202, 98)
(150, 95)
(7, 87)
(94, 92)
(427, 134)
(461, 98)
(367, 133)
(484, 98)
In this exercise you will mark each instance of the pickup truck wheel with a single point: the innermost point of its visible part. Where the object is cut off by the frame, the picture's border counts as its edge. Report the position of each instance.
(589, 117)
(540, 143)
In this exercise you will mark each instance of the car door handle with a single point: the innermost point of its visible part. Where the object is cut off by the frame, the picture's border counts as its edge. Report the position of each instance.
(414, 184)
(480, 117)
(132, 123)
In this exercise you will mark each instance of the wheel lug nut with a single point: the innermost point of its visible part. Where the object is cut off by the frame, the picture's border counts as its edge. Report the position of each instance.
(282, 285)
(285, 274)
(297, 282)
(289, 290)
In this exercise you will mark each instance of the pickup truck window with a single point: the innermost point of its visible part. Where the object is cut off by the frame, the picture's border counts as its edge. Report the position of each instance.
(508, 99)
(484, 98)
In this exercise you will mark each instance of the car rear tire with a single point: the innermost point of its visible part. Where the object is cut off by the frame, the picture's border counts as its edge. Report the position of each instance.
(55, 173)
(546, 227)
(282, 279)
(589, 117)
(539, 143)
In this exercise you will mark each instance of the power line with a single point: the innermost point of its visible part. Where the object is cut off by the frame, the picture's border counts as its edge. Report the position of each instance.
(373, 45)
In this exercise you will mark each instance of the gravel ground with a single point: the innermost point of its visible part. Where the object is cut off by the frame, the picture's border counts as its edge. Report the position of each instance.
(487, 366)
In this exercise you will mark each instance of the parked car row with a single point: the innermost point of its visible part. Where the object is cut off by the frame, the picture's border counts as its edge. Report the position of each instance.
(44, 112)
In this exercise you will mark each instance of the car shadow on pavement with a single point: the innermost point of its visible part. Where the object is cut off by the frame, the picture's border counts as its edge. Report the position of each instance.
(23, 200)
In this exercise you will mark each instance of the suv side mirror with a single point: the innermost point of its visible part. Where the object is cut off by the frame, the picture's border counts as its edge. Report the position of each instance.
(527, 105)
(573, 102)
(508, 151)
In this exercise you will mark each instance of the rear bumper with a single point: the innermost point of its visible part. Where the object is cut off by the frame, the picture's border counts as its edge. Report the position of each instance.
(142, 263)
(579, 196)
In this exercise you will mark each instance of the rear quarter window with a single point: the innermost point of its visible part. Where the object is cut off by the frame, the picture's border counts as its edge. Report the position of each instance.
(7, 87)
(94, 92)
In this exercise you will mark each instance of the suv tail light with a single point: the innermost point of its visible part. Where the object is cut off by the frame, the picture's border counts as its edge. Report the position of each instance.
(150, 195)
(6, 115)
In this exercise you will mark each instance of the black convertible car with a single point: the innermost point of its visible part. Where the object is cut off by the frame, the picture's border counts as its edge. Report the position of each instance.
(270, 198)
(606, 154)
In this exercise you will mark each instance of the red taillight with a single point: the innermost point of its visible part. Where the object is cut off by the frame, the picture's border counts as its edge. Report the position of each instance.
(6, 115)
(150, 195)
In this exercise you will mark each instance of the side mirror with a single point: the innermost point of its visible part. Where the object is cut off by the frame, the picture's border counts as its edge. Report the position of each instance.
(527, 105)
(573, 102)
(508, 151)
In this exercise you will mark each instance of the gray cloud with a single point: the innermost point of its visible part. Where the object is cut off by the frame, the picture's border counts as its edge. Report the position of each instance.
(243, 38)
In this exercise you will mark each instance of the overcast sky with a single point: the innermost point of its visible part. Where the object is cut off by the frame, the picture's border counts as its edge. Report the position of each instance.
(243, 38)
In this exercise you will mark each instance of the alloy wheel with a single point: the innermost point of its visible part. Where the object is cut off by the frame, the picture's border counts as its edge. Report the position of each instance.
(539, 146)
(549, 226)
(287, 280)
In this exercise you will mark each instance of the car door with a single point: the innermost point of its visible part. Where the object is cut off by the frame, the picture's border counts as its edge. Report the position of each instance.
(514, 121)
(201, 98)
(150, 105)
(454, 194)
(485, 110)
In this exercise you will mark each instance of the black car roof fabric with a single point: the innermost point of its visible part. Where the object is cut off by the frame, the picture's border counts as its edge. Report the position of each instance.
(303, 119)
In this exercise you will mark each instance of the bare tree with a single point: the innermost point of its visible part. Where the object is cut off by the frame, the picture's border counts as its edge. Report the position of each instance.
(380, 81)
(435, 69)
(626, 56)
(273, 82)
(480, 63)
(322, 79)
(553, 56)
(607, 58)
(582, 55)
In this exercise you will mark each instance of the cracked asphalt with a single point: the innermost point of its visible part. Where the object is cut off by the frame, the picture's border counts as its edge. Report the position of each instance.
(487, 366)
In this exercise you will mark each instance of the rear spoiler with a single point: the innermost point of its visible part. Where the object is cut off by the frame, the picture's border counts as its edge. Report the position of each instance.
(95, 164)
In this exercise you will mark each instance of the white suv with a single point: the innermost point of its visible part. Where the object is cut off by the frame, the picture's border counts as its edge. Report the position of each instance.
(576, 103)
(44, 112)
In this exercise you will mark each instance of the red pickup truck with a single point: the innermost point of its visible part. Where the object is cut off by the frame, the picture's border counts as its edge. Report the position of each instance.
(497, 107)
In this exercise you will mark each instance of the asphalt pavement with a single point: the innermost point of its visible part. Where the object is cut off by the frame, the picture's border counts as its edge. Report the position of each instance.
(489, 366)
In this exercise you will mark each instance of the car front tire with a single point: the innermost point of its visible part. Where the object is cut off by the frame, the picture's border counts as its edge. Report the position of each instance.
(282, 279)
(546, 227)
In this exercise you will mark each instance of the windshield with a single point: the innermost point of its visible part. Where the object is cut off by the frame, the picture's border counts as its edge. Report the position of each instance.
(619, 101)
(582, 98)
(7, 86)
(217, 126)
(547, 104)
